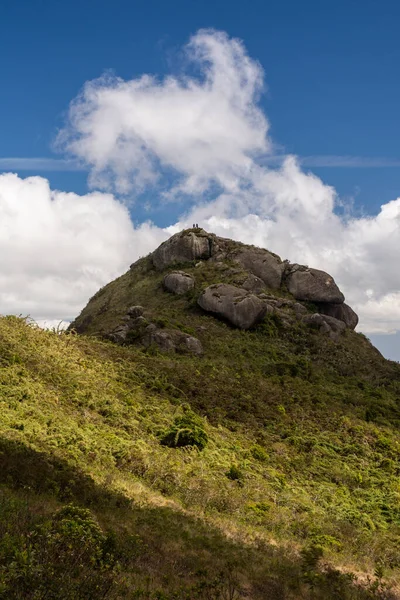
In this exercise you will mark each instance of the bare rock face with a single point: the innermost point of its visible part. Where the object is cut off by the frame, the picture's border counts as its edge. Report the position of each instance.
(178, 282)
(236, 305)
(313, 285)
(342, 312)
(263, 264)
(182, 247)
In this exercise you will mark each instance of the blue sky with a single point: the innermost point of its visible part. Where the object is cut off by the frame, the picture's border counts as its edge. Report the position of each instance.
(330, 73)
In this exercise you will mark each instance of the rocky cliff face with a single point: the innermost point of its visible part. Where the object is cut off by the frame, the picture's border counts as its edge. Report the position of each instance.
(231, 281)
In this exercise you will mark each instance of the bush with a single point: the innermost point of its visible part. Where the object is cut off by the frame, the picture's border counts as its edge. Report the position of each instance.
(259, 453)
(186, 430)
(235, 474)
(68, 556)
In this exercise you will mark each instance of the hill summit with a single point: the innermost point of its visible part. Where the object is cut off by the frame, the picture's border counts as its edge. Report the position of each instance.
(235, 282)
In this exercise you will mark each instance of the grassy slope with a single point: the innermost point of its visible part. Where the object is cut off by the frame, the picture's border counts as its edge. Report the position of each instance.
(309, 427)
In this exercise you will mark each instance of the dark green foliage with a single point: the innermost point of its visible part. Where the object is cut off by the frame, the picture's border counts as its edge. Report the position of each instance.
(186, 430)
(235, 474)
(67, 556)
(161, 322)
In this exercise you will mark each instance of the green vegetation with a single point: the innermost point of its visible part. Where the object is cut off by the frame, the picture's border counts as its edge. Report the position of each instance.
(186, 431)
(266, 468)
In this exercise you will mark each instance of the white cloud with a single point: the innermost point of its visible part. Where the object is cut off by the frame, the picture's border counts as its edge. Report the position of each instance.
(57, 249)
(203, 135)
(205, 130)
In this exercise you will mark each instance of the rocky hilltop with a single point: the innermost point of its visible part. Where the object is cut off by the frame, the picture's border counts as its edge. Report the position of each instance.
(234, 282)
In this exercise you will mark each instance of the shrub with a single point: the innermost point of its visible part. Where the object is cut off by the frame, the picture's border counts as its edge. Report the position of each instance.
(186, 430)
(311, 557)
(161, 322)
(68, 556)
(259, 453)
(235, 474)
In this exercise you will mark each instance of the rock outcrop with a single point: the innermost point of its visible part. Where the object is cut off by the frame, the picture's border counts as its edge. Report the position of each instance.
(263, 264)
(172, 341)
(247, 284)
(181, 248)
(178, 282)
(238, 306)
(135, 311)
(342, 312)
(136, 328)
(312, 285)
(325, 324)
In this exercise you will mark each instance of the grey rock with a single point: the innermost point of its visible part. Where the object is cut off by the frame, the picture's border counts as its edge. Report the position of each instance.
(263, 264)
(119, 334)
(342, 312)
(182, 247)
(269, 308)
(254, 284)
(162, 339)
(312, 285)
(316, 321)
(238, 306)
(299, 310)
(138, 323)
(135, 311)
(271, 299)
(335, 325)
(325, 324)
(221, 265)
(287, 318)
(172, 341)
(135, 325)
(191, 345)
(178, 282)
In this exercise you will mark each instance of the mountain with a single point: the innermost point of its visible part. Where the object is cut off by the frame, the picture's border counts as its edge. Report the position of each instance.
(210, 427)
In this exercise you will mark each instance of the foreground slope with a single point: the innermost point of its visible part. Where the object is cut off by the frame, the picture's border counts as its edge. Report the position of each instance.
(266, 466)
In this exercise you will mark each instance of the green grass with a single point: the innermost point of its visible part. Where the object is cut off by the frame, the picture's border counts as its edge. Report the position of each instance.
(294, 487)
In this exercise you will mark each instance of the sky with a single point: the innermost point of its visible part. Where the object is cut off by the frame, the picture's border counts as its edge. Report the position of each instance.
(274, 123)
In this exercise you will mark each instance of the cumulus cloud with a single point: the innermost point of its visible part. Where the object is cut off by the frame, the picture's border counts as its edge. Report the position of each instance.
(205, 129)
(201, 135)
(58, 248)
